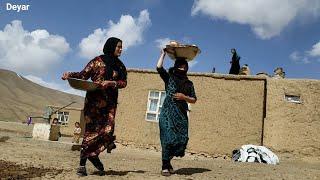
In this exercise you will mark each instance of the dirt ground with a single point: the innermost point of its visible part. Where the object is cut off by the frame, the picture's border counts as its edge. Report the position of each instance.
(23, 157)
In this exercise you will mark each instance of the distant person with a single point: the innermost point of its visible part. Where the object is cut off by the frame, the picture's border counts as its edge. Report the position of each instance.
(100, 105)
(29, 121)
(213, 70)
(76, 133)
(235, 62)
(55, 121)
(173, 119)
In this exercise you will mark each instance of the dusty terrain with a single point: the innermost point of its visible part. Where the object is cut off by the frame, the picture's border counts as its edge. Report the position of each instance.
(23, 157)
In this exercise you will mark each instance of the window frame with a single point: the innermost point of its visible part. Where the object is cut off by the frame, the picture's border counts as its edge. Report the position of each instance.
(293, 98)
(159, 105)
(65, 114)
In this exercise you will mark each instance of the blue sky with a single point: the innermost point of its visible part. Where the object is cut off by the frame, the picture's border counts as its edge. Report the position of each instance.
(54, 36)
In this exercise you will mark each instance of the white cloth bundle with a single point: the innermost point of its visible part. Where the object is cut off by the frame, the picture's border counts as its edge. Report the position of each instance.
(253, 153)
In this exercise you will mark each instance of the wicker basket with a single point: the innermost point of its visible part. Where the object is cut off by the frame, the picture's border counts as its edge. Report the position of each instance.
(82, 84)
(189, 52)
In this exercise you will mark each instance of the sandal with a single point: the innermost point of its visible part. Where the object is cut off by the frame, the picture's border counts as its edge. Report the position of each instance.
(110, 147)
(165, 172)
(82, 171)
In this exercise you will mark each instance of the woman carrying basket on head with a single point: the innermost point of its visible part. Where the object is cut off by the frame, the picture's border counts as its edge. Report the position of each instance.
(173, 119)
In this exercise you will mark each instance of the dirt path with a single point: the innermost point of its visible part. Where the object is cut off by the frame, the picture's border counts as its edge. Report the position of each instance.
(23, 157)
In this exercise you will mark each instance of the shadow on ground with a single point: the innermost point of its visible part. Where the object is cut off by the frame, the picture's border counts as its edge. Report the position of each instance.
(117, 173)
(190, 171)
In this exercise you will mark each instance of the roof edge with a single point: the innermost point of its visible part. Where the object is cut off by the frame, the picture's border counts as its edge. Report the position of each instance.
(213, 75)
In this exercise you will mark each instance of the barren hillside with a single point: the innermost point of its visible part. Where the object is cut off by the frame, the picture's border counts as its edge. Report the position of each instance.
(21, 97)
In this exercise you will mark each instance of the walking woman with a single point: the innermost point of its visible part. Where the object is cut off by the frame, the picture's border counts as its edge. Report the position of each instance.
(100, 105)
(173, 119)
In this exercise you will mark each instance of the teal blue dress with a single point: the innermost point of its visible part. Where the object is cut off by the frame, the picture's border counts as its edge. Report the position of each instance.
(173, 119)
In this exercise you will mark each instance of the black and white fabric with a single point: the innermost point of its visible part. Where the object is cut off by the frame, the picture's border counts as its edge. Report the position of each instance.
(253, 153)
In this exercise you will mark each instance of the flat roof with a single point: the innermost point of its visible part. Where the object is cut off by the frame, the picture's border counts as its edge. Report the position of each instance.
(224, 76)
(213, 75)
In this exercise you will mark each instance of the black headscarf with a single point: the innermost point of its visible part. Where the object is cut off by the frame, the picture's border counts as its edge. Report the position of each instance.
(176, 71)
(112, 62)
(179, 76)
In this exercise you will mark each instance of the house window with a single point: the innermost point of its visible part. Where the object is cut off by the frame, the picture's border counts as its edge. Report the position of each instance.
(292, 99)
(63, 117)
(155, 101)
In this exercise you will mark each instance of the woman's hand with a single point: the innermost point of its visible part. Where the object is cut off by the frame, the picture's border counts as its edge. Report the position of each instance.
(163, 52)
(65, 75)
(108, 84)
(161, 58)
(179, 96)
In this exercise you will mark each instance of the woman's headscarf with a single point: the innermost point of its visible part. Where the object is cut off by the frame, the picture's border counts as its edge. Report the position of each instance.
(112, 62)
(110, 45)
(176, 71)
(179, 76)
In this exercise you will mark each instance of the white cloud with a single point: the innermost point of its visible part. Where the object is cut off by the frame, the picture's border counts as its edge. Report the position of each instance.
(298, 58)
(314, 54)
(315, 51)
(128, 29)
(53, 85)
(161, 43)
(305, 60)
(31, 52)
(192, 63)
(93, 44)
(295, 56)
(267, 18)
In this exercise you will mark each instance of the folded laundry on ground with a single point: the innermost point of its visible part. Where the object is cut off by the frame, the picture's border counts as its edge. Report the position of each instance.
(253, 153)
